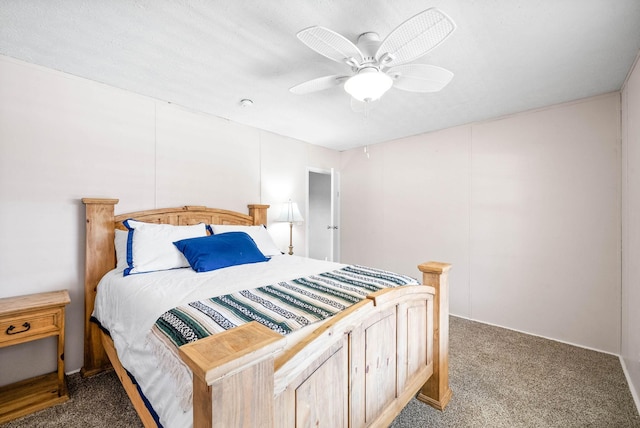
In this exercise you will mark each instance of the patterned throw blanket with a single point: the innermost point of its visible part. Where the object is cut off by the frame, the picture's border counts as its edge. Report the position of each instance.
(283, 307)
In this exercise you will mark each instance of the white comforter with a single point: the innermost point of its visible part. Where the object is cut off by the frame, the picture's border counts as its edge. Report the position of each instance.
(129, 306)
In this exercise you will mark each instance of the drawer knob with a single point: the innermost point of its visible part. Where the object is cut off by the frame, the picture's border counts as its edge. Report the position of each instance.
(10, 329)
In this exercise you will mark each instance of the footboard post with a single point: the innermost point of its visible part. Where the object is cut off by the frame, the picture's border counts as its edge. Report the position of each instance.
(233, 383)
(436, 391)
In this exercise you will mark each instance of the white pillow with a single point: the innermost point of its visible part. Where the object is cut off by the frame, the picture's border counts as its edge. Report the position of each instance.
(259, 234)
(120, 242)
(150, 246)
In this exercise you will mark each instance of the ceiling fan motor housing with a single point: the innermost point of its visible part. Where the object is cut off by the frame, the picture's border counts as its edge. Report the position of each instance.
(368, 44)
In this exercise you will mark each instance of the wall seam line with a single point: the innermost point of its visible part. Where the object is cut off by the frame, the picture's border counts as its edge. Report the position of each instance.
(155, 155)
(624, 165)
(470, 178)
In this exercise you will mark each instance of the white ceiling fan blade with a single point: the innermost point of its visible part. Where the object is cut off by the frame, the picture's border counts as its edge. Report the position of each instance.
(330, 44)
(318, 84)
(415, 37)
(420, 77)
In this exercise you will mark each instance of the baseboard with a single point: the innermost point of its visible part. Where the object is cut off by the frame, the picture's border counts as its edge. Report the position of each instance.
(634, 393)
(537, 335)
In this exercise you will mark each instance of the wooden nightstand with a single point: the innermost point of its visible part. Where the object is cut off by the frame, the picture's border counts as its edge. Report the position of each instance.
(27, 318)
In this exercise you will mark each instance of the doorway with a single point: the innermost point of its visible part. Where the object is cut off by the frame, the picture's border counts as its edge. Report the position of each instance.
(323, 212)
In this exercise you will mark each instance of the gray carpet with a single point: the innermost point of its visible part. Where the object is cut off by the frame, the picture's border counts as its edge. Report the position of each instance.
(502, 378)
(499, 378)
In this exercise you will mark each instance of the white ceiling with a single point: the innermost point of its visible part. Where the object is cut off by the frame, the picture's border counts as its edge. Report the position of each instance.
(207, 55)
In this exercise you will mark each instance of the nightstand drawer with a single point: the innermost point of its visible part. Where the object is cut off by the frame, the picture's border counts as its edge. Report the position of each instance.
(41, 323)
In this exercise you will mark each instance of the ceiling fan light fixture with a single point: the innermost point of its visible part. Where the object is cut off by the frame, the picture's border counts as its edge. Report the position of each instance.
(368, 85)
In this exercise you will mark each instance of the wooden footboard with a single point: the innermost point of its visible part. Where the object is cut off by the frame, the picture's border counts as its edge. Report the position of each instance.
(380, 353)
(359, 369)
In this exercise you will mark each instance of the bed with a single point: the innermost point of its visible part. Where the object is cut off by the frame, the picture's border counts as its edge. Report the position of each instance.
(250, 375)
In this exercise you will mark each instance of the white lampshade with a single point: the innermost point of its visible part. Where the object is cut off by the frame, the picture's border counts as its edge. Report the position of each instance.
(290, 213)
(368, 85)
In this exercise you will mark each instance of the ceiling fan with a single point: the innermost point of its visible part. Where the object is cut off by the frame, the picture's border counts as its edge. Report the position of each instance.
(377, 65)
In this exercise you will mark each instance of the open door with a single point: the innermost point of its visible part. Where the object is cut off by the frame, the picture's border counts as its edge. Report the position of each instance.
(323, 212)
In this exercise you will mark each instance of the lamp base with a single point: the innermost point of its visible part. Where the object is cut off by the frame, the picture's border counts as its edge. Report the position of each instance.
(290, 238)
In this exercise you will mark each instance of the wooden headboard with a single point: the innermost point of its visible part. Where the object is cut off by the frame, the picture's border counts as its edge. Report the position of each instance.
(100, 255)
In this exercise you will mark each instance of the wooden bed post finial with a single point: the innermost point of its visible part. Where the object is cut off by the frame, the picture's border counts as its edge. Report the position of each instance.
(259, 213)
(436, 391)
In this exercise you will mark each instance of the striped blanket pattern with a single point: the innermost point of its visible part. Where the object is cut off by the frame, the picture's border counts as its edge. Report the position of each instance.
(283, 307)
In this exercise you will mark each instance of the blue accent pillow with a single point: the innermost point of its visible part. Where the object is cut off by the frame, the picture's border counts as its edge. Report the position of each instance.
(219, 251)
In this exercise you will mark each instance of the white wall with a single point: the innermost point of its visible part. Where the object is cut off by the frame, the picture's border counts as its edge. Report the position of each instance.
(407, 203)
(63, 138)
(630, 351)
(526, 208)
